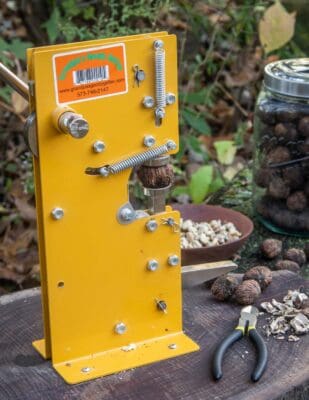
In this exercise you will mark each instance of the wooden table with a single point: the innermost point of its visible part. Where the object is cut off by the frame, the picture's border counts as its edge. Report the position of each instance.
(24, 375)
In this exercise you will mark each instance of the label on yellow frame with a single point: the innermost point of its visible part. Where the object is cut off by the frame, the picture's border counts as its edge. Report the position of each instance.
(90, 74)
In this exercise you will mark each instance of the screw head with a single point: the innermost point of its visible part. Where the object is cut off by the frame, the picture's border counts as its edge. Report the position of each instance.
(152, 265)
(172, 346)
(171, 145)
(170, 98)
(151, 225)
(173, 260)
(98, 146)
(149, 141)
(120, 328)
(127, 214)
(148, 102)
(160, 113)
(57, 213)
(158, 44)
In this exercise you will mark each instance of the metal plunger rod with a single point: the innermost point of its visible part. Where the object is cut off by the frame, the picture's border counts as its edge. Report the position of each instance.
(16, 83)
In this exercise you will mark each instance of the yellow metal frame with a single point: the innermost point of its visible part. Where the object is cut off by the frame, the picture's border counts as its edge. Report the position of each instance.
(93, 269)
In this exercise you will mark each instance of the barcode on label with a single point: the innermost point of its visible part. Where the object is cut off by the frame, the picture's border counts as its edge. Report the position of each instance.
(90, 75)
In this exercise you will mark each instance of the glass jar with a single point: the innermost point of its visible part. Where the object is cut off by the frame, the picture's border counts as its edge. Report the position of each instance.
(281, 161)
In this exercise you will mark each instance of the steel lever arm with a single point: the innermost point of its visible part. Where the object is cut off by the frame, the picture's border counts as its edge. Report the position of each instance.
(220, 351)
(262, 354)
(14, 81)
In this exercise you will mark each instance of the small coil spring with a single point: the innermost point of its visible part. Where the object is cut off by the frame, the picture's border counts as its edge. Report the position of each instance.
(160, 78)
(138, 159)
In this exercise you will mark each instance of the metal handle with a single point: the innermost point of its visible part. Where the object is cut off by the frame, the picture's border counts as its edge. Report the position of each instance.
(12, 80)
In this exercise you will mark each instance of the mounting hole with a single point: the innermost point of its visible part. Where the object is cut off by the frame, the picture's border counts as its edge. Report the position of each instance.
(60, 284)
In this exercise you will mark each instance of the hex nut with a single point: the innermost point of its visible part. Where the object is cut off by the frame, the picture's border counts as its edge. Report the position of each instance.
(120, 328)
(98, 146)
(151, 225)
(170, 98)
(149, 141)
(126, 214)
(152, 265)
(158, 44)
(173, 260)
(148, 102)
(57, 213)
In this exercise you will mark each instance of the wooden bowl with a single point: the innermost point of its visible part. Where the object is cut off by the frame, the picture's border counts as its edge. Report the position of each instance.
(205, 213)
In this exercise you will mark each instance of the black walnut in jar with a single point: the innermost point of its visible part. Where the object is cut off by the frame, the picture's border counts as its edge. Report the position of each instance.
(293, 177)
(260, 274)
(297, 201)
(286, 131)
(303, 126)
(247, 292)
(279, 155)
(278, 189)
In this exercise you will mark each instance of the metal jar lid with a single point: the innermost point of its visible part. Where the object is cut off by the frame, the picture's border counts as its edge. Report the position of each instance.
(288, 77)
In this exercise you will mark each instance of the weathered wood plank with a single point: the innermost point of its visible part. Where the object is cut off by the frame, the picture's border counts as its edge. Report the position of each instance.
(24, 375)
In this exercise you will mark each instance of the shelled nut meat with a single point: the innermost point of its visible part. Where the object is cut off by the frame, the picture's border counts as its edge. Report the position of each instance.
(206, 234)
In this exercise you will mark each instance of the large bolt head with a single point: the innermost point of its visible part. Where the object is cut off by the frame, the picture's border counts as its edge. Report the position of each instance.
(57, 213)
(78, 127)
(148, 102)
(98, 146)
(171, 145)
(151, 225)
(120, 328)
(152, 265)
(173, 260)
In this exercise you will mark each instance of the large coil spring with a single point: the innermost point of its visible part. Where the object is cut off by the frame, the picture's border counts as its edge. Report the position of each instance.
(160, 78)
(138, 159)
(132, 161)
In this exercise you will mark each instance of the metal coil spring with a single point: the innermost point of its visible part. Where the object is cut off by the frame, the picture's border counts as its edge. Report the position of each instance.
(160, 78)
(138, 159)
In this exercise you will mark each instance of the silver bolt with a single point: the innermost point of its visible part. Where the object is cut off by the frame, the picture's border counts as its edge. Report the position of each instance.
(120, 328)
(57, 213)
(151, 225)
(173, 260)
(140, 75)
(149, 141)
(148, 102)
(127, 214)
(152, 265)
(73, 124)
(170, 98)
(98, 146)
(171, 145)
(86, 370)
(104, 171)
(158, 44)
(172, 346)
(159, 113)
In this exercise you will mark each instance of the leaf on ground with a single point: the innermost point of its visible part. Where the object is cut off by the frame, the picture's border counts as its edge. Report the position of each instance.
(200, 183)
(276, 28)
(197, 122)
(52, 25)
(27, 211)
(226, 151)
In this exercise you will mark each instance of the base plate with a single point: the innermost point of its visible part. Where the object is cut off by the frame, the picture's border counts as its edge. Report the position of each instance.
(120, 359)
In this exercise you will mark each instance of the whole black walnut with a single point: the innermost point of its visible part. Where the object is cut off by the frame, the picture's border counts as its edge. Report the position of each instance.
(297, 201)
(271, 248)
(260, 274)
(247, 292)
(156, 177)
(224, 287)
(293, 177)
(287, 131)
(278, 155)
(264, 176)
(278, 189)
(303, 126)
(289, 265)
(296, 255)
(287, 113)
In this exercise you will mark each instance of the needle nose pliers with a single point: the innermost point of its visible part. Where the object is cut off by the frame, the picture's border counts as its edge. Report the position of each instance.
(246, 326)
